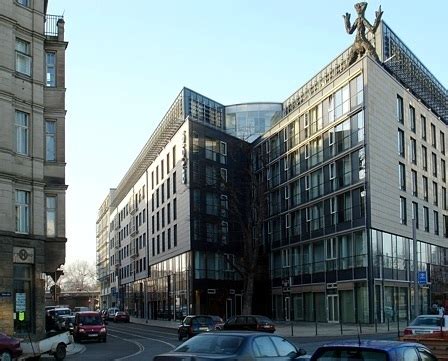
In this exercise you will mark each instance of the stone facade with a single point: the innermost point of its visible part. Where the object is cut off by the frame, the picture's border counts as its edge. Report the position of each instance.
(32, 161)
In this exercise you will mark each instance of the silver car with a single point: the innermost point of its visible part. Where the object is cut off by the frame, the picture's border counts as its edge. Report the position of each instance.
(427, 324)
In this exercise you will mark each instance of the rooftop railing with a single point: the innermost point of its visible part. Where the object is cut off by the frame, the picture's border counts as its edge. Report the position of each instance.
(51, 24)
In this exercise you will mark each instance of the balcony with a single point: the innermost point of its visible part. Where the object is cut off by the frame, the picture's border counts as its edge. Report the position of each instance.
(134, 252)
(54, 27)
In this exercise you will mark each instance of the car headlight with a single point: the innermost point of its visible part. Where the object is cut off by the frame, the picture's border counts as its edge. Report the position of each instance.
(82, 330)
(103, 330)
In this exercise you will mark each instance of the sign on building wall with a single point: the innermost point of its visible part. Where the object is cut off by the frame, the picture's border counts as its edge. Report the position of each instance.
(23, 255)
(184, 158)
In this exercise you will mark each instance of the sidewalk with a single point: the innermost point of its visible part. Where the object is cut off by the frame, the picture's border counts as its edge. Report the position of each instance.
(303, 329)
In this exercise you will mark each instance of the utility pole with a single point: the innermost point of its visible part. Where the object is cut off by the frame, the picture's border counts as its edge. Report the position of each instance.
(415, 254)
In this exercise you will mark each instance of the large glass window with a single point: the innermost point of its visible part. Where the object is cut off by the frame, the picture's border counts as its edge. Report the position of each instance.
(23, 293)
(400, 109)
(22, 211)
(22, 131)
(51, 69)
(50, 140)
(412, 117)
(401, 145)
(51, 216)
(402, 176)
(403, 211)
(23, 57)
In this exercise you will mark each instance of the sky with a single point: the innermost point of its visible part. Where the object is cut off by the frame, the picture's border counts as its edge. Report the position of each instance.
(128, 60)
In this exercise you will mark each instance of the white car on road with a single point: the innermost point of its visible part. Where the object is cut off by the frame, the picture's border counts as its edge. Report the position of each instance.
(427, 324)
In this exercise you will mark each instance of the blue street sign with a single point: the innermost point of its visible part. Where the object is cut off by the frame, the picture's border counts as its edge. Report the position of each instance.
(422, 280)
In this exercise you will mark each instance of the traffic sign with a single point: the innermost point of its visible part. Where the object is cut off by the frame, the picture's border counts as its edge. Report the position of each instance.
(422, 279)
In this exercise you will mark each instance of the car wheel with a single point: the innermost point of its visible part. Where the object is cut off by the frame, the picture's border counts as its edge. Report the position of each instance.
(5, 356)
(60, 353)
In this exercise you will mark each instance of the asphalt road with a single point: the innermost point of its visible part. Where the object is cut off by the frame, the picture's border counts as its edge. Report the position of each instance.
(130, 341)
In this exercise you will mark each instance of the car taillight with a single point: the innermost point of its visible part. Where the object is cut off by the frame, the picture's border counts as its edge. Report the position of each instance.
(407, 331)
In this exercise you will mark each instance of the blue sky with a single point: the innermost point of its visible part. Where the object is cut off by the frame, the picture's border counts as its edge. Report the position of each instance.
(127, 61)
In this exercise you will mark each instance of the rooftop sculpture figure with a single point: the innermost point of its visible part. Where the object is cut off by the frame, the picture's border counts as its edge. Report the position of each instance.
(361, 44)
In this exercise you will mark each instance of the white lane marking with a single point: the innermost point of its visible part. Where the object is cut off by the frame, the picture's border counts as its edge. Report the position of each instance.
(148, 338)
(141, 348)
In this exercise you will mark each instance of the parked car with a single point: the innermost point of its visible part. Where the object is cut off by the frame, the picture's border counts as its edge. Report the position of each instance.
(52, 315)
(373, 350)
(89, 326)
(111, 312)
(121, 316)
(60, 322)
(193, 325)
(427, 324)
(234, 345)
(250, 323)
(69, 322)
(218, 322)
(9, 347)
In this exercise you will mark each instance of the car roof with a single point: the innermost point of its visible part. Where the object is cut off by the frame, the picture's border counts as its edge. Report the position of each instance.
(385, 345)
(87, 313)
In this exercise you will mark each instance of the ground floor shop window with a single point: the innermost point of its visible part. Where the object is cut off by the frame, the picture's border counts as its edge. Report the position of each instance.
(23, 294)
(347, 306)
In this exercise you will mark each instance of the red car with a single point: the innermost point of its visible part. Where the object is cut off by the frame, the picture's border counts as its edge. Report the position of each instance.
(89, 326)
(9, 346)
(121, 316)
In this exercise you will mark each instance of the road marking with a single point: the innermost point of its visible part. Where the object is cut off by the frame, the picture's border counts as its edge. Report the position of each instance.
(147, 338)
(141, 348)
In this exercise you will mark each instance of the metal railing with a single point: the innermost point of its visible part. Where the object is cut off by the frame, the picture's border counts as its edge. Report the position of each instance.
(51, 24)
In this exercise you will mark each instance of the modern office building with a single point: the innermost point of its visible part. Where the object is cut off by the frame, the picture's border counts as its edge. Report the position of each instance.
(354, 159)
(32, 161)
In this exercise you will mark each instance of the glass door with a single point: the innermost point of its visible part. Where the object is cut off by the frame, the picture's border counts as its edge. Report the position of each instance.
(333, 308)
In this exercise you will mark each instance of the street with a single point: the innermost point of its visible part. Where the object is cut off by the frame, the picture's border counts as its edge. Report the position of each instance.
(131, 341)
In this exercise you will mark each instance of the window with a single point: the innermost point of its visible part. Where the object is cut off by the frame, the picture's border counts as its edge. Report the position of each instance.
(435, 193)
(413, 150)
(426, 218)
(24, 2)
(415, 213)
(443, 169)
(51, 69)
(424, 158)
(414, 183)
(433, 136)
(412, 117)
(22, 211)
(425, 188)
(434, 164)
(50, 140)
(174, 209)
(402, 176)
(175, 235)
(23, 57)
(401, 143)
(22, 126)
(174, 183)
(403, 211)
(436, 222)
(174, 156)
(445, 226)
(442, 142)
(444, 203)
(400, 117)
(51, 215)
(423, 124)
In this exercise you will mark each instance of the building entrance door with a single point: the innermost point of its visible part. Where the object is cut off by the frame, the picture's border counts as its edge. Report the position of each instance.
(333, 308)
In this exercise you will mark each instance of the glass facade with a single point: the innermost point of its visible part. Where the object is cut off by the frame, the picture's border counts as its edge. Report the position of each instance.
(249, 121)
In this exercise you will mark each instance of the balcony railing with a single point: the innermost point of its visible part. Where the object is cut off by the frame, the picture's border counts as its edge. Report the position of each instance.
(51, 24)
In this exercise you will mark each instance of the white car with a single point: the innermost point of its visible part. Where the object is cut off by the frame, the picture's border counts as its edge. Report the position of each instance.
(427, 324)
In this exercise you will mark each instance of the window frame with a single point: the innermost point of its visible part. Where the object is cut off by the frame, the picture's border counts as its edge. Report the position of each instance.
(23, 55)
(22, 211)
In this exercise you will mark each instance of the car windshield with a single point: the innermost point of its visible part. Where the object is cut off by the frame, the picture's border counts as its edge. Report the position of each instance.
(427, 321)
(263, 319)
(91, 320)
(352, 355)
(213, 344)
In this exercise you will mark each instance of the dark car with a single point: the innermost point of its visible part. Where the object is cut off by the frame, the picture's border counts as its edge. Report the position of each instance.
(69, 323)
(234, 345)
(218, 322)
(373, 350)
(52, 316)
(9, 347)
(195, 324)
(250, 323)
(121, 316)
(89, 325)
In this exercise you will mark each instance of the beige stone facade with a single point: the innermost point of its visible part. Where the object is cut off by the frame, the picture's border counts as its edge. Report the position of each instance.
(32, 160)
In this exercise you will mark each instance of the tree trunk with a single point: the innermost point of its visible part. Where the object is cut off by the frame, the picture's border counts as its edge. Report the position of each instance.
(248, 293)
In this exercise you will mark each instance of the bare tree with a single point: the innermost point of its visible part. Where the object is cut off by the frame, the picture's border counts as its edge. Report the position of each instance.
(79, 276)
(248, 204)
